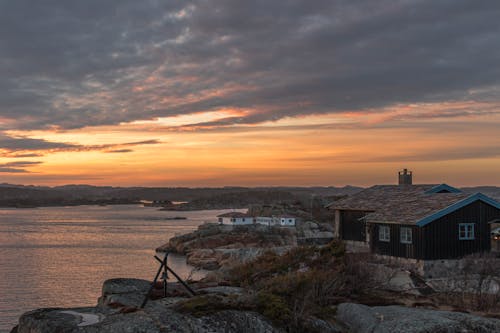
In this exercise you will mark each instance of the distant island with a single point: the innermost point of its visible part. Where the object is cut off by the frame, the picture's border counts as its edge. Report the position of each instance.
(22, 196)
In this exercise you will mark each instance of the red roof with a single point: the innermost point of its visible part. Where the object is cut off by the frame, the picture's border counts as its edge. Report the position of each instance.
(234, 214)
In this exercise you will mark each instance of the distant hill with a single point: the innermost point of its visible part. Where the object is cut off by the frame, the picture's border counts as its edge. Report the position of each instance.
(491, 191)
(223, 197)
(216, 197)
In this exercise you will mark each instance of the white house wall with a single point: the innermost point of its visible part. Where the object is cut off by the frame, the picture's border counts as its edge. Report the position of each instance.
(287, 221)
(243, 220)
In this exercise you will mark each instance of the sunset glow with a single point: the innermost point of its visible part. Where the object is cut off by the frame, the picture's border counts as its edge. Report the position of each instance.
(193, 99)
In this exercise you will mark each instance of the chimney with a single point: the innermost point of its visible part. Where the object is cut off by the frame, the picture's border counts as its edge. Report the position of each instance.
(405, 177)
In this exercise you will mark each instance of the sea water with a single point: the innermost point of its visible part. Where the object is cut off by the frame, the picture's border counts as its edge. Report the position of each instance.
(60, 256)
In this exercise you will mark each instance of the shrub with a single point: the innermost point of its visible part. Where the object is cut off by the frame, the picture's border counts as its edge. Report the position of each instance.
(274, 307)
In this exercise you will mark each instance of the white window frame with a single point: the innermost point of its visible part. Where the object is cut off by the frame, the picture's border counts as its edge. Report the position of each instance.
(468, 231)
(405, 235)
(384, 233)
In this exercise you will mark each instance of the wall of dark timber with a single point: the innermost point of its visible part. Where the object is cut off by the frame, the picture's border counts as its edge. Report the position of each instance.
(394, 247)
(439, 239)
(441, 236)
(350, 226)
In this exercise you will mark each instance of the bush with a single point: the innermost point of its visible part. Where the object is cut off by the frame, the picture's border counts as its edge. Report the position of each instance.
(274, 308)
(305, 282)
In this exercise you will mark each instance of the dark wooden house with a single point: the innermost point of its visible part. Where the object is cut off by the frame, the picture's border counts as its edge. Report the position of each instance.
(424, 222)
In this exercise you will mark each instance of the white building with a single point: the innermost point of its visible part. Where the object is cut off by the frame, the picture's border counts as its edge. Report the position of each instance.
(284, 221)
(235, 218)
(265, 220)
(287, 221)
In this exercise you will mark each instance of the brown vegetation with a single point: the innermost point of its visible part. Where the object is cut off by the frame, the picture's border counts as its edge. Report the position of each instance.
(308, 282)
(475, 285)
(305, 283)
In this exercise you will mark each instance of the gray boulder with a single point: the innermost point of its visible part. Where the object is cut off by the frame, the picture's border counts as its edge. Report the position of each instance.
(153, 319)
(118, 312)
(126, 292)
(361, 318)
(124, 286)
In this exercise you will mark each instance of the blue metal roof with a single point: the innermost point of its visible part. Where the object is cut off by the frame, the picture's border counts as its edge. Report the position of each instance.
(470, 199)
(443, 187)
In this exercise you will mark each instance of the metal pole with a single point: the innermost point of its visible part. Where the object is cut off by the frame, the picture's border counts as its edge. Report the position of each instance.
(191, 291)
(152, 286)
(165, 276)
(182, 282)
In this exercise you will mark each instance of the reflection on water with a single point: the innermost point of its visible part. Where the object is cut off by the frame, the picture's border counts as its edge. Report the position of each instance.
(59, 256)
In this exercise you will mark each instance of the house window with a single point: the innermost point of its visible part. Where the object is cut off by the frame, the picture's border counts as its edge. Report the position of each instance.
(405, 235)
(466, 231)
(384, 233)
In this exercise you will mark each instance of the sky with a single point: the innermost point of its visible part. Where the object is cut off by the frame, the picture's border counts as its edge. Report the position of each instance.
(251, 93)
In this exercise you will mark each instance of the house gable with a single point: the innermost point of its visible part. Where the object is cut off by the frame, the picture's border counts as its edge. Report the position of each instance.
(462, 203)
(443, 188)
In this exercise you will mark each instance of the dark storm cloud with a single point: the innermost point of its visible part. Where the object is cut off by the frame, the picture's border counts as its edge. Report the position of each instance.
(12, 170)
(23, 147)
(20, 164)
(9, 143)
(24, 155)
(17, 167)
(120, 151)
(74, 64)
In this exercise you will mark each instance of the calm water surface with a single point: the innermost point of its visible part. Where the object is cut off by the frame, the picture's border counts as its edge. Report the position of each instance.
(59, 256)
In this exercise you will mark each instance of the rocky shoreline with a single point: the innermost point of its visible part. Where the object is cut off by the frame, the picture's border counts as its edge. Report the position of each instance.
(223, 309)
(214, 246)
(265, 280)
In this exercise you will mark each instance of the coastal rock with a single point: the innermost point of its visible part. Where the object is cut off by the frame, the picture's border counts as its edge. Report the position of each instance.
(361, 318)
(211, 259)
(123, 292)
(237, 321)
(323, 326)
(60, 320)
(211, 236)
(221, 290)
(208, 259)
(310, 233)
(202, 246)
(118, 311)
(124, 286)
(226, 309)
(63, 321)
(213, 246)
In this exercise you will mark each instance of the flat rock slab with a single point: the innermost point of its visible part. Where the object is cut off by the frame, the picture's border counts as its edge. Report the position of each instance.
(60, 320)
(123, 286)
(361, 318)
(221, 290)
(155, 319)
(86, 319)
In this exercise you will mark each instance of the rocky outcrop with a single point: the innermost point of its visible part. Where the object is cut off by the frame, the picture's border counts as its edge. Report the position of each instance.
(211, 236)
(145, 321)
(310, 233)
(229, 309)
(212, 259)
(213, 246)
(118, 312)
(363, 319)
